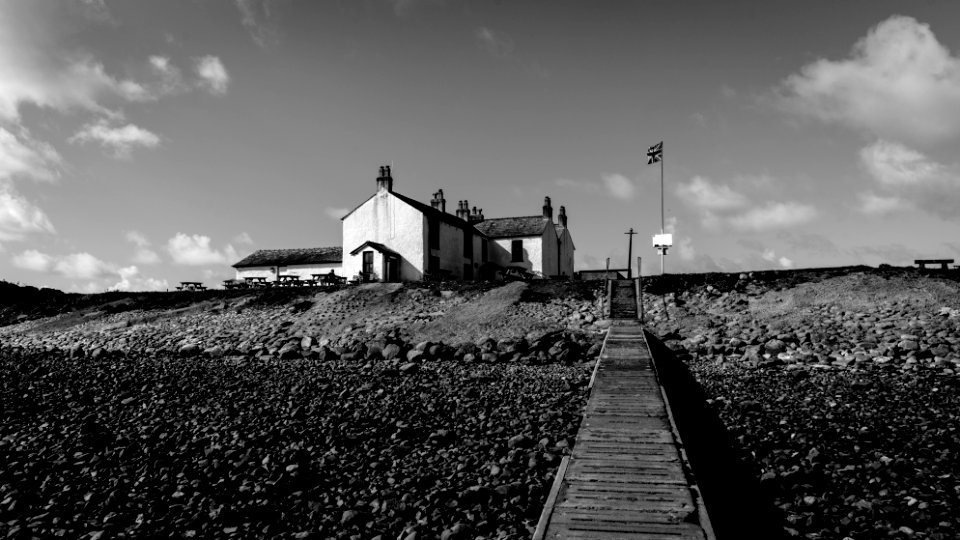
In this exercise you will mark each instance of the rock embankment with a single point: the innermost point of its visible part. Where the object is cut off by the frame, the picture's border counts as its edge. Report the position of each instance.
(842, 395)
(333, 416)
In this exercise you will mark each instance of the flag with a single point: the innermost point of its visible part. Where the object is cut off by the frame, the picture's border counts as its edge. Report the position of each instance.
(655, 153)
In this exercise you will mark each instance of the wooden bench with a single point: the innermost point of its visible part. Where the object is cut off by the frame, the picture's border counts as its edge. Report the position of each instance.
(944, 263)
(191, 286)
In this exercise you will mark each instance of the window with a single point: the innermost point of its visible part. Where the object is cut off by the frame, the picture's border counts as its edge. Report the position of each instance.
(467, 244)
(433, 232)
(517, 251)
(483, 250)
(467, 271)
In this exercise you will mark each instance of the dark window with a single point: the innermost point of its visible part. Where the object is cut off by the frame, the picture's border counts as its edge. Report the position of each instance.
(468, 271)
(434, 232)
(434, 265)
(517, 251)
(468, 244)
(483, 250)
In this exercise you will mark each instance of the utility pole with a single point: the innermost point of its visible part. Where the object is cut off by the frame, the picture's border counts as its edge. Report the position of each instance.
(630, 233)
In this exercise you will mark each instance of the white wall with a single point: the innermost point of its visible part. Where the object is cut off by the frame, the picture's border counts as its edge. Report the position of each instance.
(451, 250)
(395, 224)
(302, 270)
(532, 252)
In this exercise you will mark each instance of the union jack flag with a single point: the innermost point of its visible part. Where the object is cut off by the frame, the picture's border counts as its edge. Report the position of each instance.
(655, 153)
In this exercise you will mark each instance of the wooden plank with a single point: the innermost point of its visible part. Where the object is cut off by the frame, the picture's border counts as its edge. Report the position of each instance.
(625, 478)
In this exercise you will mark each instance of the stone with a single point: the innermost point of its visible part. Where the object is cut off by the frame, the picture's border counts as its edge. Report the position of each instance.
(414, 355)
(190, 349)
(410, 367)
(290, 351)
(774, 346)
(391, 351)
(307, 342)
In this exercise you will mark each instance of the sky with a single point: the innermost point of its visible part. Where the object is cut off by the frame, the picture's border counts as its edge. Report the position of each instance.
(144, 143)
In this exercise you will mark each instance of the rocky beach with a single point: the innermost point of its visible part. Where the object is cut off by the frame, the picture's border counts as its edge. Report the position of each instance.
(442, 411)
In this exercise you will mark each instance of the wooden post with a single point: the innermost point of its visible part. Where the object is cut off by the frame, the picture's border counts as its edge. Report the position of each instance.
(640, 285)
(603, 295)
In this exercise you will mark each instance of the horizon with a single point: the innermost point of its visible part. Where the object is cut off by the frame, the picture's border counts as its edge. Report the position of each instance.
(144, 144)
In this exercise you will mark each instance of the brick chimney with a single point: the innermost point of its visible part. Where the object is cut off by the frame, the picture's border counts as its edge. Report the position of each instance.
(385, 181)
(463, 210)
(476, 216)
(547, 209)
(438, 201)
(562, 217)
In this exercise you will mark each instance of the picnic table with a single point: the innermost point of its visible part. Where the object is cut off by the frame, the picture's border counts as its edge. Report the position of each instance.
(256, 281)
(191, 286)
(289, 280)
(922, 263)
(329, 279)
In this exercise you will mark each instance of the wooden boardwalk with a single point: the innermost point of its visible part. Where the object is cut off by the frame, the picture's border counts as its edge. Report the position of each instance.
(627, 477)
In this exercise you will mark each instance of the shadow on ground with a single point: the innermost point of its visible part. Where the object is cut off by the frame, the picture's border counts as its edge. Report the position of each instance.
(730, 490)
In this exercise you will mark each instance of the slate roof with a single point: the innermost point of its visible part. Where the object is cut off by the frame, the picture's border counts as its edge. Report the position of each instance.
(425, 209)
(512, 226)
(289, 257)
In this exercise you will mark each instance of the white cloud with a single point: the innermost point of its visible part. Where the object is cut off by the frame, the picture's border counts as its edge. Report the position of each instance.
(243, 238)
(82, 266)
(871, 203)
(896, 165)
(255, 15)
(898, 82)
(582, 185)
(496, 43)
(96, 10)
(33, 260)
(120, 140)
(171, 78)
(212, 74)
(143, 253)
(774, 215)
(702, 194)
(24, 157)
(771, 256)
(130, 280)
(19, 217)
(195, 250)
(619, 186)
(335, 213)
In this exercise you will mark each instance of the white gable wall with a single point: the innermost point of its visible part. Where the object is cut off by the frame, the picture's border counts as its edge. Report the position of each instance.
(566, 253)
(385, 219)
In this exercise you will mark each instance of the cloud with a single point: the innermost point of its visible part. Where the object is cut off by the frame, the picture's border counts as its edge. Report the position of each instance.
(771, 256)
(243, 239)
(170, 76)
(898, 82)
(495, 43)
(774, 215)
(195, 250)
(19, 217)
(403, 7)
(702, 194)
(143, 253)
(619, 186)
(212, 74)
(873, 204)
(335, 213)
(908, 178)
(34, 261)
(582, 185)
(119, 140)
(24, 157)
(82, 266)
(727, 91)
(130, 280)
(893, 164)
(255, 16)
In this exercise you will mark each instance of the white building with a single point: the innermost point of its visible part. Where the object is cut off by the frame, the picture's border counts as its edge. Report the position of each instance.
(533, 243)
(391, 237)
(269, 263)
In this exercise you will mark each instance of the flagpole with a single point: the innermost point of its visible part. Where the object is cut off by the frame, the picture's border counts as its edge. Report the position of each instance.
(661, 207)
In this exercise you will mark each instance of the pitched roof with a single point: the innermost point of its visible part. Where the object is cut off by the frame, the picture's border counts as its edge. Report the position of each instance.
(512, 226)
(375, 245)
(424, 209)
(287, 257)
